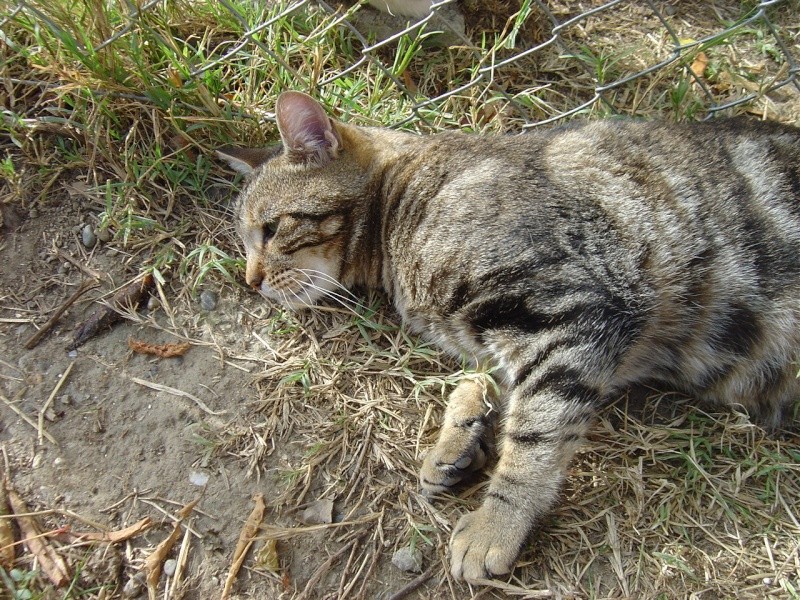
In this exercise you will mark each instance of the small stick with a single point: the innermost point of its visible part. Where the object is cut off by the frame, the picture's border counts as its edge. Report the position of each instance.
(412, 585)
(176, 392)
(37, 337)
(25, 417)
(49, 401)
(88, 270)
(183, 554)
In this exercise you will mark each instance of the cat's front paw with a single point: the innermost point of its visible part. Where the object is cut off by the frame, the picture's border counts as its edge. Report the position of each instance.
(463, 442)
(457, 455)
(484, 544)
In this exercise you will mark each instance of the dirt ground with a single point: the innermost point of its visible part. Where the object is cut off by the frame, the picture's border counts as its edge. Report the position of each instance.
(110, 450)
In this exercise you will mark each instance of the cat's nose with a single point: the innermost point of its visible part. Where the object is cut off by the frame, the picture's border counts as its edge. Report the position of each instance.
(253, 275)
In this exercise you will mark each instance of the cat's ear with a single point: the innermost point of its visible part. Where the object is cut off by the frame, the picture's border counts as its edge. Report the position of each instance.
(246, 160)
(306, 130)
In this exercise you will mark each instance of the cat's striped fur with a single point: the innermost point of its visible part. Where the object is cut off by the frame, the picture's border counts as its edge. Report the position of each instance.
(579, 259)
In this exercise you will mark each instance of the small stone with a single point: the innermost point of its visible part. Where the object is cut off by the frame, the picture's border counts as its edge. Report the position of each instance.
(208, 300)
(104, 235)
(170, 566)
(318, 512)
(153, 303)
(37, 461)
(198, 478)
(72, 354)
(133, 588)
(408, 559)
(88, 237)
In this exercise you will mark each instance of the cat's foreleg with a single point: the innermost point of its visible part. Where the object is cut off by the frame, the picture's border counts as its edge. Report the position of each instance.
(546, 419)
(461, 448)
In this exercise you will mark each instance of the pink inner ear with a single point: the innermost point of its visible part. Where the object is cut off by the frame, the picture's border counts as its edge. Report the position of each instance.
(305, 128)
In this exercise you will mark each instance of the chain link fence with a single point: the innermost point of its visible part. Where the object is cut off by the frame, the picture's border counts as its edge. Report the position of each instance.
(529, 62)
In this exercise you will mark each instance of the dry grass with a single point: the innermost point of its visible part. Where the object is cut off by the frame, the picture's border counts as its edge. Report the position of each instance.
(686, 504)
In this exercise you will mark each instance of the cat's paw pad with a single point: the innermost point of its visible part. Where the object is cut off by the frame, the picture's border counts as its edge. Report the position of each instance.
(483, 546)
(458, 454)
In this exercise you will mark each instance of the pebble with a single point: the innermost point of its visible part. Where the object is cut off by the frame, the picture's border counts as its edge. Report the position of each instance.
(153, 303)
(318, 512)
(208, 300)
(198, 478)
(133, 588)
(170, 566)
(88, 237)
(408, 559)
(104, 235)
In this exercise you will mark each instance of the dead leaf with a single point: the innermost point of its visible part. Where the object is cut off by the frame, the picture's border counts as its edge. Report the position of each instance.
(50, 561)
(699, 64)
(267, 557)
(113, 537)
(246, 538)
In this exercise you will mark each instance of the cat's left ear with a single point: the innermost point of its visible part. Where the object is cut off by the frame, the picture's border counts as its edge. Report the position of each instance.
(307, 132)
(246, 160)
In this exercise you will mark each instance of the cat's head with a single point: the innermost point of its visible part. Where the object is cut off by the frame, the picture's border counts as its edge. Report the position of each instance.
(296, 211)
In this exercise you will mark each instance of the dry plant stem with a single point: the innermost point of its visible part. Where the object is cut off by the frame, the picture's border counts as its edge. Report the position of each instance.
(49, 401)
(23, 416)
(246, 538)
(152, 564)
(177, 392)
(412, 585)
(51, 563)
(325, 567)
(183, 555)
(37, 337)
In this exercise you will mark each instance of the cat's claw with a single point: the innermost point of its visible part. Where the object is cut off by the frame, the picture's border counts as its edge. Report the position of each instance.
(462, 448)
(441, 472)
(484, 545)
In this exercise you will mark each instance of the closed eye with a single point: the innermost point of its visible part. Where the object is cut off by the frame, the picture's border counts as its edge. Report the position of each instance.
(269, 230)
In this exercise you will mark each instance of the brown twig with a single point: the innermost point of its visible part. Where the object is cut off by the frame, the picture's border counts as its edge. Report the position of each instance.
(128, 296)
(37, 337)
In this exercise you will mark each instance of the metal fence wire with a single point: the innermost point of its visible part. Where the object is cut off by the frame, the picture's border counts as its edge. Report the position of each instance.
(533, 61)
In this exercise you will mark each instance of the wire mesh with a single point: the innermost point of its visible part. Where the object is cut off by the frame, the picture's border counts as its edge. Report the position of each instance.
(532, 61)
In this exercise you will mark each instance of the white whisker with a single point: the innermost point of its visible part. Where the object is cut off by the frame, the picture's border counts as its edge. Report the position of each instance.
(340, 299)
(324, 276)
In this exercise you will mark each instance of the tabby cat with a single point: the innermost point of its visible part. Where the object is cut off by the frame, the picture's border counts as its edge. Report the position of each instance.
(578, 260)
